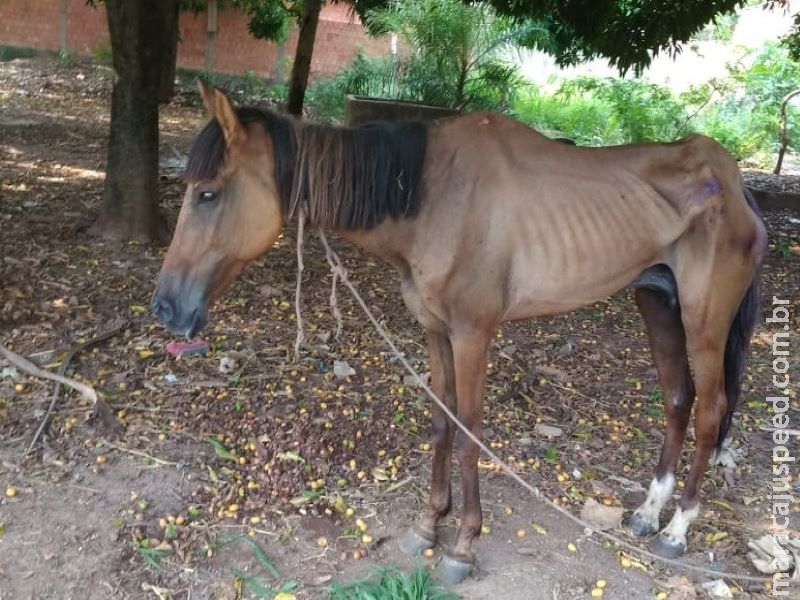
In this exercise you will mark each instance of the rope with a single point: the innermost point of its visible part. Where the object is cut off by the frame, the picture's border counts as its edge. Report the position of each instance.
(301, 337)
(338, 268)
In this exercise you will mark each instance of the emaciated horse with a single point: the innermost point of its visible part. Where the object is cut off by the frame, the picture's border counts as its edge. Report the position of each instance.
(488, 221)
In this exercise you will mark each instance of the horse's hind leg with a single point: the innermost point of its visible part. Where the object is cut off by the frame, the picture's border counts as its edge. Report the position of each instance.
(709, 298)
(662, 318)
(423, 535)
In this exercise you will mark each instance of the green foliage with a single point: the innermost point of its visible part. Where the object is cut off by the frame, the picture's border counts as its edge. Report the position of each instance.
(640, 111)
(720, 29)
(101, 54)
(268, 19)
(627, 32)
(65, 59)
(457, 51)
(392, 584)
(11, 52)
(580, 118)
(746, 119)
(456, 56)
(366, 76)
(740, 111)
(792, 39)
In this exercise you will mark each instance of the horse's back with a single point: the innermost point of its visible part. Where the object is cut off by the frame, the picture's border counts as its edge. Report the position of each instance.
(570, 225)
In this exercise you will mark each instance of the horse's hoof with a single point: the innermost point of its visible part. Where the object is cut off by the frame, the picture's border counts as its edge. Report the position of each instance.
(667, 546)
(640, 526)
(451, 571)
(414, 544)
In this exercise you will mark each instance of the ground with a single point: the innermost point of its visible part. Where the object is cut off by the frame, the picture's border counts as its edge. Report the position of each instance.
(280, 452)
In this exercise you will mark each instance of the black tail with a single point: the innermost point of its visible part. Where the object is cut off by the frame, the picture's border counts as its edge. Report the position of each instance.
(738, 343)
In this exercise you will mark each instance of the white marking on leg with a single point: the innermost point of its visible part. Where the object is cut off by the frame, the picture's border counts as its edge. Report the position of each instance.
(675, 532)
(657, 496)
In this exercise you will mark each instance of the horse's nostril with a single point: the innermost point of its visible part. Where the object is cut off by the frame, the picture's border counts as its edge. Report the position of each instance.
(162, 308)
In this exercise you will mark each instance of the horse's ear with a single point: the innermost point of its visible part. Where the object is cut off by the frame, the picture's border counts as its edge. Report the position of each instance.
(219, 107)
(207, 94)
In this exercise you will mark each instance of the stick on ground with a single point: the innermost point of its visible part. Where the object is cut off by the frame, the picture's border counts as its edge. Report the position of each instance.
(87, 391)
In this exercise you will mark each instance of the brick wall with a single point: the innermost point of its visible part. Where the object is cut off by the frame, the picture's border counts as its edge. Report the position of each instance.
(41, 24)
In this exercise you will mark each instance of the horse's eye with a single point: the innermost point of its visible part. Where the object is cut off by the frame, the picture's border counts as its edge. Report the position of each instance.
(207, 196)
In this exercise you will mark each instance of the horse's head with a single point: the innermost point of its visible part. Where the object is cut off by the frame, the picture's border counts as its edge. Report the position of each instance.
(231, 215)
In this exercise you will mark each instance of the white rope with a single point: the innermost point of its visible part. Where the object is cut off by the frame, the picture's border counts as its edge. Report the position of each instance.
(338, 268)
(334, 299)
(301, 337)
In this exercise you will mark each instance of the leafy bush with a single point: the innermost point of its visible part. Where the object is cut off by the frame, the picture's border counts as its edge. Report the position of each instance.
(65, 59)
(101, 54)
(364, 77)
(582, 119)
(455, 54)
(641, 111)
(746, 118)
(12, 52)
(740, 111)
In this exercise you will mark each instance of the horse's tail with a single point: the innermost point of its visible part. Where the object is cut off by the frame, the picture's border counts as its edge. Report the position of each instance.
(736, 349)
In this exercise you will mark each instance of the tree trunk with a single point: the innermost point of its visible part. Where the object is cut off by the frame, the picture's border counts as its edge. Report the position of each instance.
(139, 48)
(302, 57)
(170, 30)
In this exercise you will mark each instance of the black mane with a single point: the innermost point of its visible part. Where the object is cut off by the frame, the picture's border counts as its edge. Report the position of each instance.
(347, 178)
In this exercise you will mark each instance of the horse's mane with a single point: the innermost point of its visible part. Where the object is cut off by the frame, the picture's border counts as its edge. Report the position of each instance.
(349, 178)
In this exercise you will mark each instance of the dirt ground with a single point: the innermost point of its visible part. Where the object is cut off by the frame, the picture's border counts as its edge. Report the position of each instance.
(281, 452)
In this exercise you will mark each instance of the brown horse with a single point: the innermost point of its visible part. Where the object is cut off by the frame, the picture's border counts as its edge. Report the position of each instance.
(488, 221)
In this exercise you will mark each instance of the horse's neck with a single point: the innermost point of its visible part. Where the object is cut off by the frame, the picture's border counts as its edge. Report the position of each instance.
(387, 241)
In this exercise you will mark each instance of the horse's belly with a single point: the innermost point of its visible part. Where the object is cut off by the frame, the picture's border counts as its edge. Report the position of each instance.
(537, 288)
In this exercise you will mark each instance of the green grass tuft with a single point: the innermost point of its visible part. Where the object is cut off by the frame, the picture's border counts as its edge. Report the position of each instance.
(390, 583)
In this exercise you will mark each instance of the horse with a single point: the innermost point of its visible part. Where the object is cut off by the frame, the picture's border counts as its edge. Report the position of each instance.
(487, 221)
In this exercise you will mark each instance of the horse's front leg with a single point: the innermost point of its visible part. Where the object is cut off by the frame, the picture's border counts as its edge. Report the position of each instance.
(423, 535)
(469, 353)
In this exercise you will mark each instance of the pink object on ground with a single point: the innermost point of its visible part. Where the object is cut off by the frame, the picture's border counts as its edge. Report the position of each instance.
(195, 347)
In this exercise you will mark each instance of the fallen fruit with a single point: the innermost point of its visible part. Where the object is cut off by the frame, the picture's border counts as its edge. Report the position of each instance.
(11, 491)
(428, 553)
(571, 547)
(597, 592)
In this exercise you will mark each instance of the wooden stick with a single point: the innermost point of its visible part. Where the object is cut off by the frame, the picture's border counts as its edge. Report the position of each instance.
(85, 390)
(23, 364)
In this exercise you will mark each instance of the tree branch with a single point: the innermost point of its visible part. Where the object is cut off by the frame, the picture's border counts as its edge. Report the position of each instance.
(784, 135)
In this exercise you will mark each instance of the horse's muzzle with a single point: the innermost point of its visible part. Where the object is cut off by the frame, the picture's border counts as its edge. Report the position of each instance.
(180, 305)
